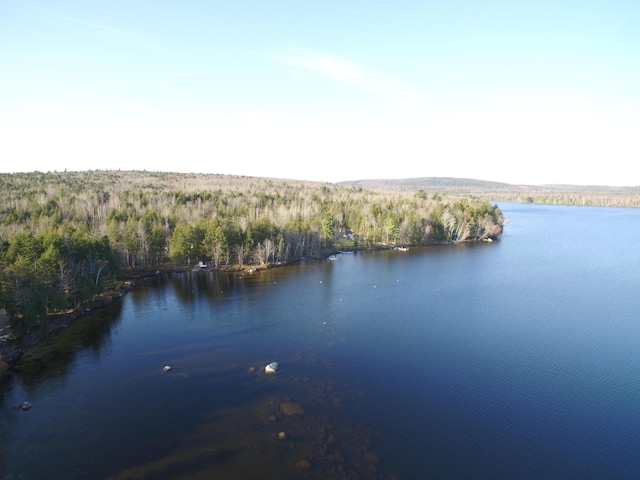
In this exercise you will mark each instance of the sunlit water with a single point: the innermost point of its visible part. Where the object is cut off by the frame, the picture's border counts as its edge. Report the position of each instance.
(513, 359)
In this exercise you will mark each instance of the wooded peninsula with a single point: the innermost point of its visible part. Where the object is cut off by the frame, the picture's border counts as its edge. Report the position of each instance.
(69, 238)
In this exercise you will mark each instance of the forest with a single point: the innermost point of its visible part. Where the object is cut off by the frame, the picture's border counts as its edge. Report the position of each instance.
(65, 237)
(555, 194)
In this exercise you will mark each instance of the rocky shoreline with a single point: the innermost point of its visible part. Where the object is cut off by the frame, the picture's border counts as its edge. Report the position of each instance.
(11, 350)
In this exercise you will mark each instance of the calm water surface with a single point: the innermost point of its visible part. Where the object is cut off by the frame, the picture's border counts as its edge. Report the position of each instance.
(514, 359)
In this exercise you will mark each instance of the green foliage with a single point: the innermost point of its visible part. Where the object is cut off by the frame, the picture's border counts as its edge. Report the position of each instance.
(184, 243)
(391, 229)
(62, 235)
(51, 271)
(327, 227)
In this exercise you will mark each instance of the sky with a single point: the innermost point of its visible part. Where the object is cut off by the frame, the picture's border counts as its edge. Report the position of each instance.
(510, 91)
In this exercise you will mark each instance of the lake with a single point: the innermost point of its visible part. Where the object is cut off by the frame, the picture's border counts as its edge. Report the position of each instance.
(518, 358)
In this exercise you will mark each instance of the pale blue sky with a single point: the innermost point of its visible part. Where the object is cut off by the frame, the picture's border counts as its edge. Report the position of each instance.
(519, 92)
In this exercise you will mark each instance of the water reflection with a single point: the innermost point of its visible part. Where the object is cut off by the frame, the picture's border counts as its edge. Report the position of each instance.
(214, 286)
(89, 333)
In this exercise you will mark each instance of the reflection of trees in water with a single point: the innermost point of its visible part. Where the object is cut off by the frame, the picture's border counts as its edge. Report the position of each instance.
(53, 357)
(143, 288)
(217, 286)
(213, 285)
(189, 285)
(186, 286)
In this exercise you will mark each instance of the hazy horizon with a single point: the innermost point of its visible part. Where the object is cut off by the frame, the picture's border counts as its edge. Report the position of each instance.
(533, 94)
(461, 180)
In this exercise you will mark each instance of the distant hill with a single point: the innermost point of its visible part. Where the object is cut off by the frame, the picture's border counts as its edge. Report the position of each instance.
(594, 195)
(457, 185)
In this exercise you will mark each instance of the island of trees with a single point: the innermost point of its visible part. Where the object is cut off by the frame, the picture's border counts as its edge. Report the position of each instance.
(67, 237)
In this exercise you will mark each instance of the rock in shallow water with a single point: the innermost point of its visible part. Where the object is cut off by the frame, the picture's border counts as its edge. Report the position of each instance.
(303, 465)
(272, 368)
(290, 408)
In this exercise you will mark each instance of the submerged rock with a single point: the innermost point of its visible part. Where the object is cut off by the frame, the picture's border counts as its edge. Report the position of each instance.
(290, 408)
(371, 458)
(303, 465)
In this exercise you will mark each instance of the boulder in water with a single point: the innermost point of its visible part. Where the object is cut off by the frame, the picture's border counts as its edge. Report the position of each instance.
(272, 368)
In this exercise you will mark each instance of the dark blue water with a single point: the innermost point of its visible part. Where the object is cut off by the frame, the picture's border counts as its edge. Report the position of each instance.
(513, 359)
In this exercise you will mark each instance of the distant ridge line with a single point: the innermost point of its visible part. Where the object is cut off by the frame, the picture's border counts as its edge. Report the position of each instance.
(554, 194)
(466, 183)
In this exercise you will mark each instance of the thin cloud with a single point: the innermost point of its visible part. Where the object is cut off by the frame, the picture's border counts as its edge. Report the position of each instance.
(107, 32)
(347, 72)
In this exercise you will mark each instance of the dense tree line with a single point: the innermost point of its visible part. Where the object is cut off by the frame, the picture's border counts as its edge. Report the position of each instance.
(579, 199)
(64, 236)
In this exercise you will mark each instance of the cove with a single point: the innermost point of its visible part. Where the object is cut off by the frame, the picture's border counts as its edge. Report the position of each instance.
(511, 359)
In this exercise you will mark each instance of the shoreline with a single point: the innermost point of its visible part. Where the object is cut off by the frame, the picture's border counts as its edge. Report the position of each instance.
(10, 354)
